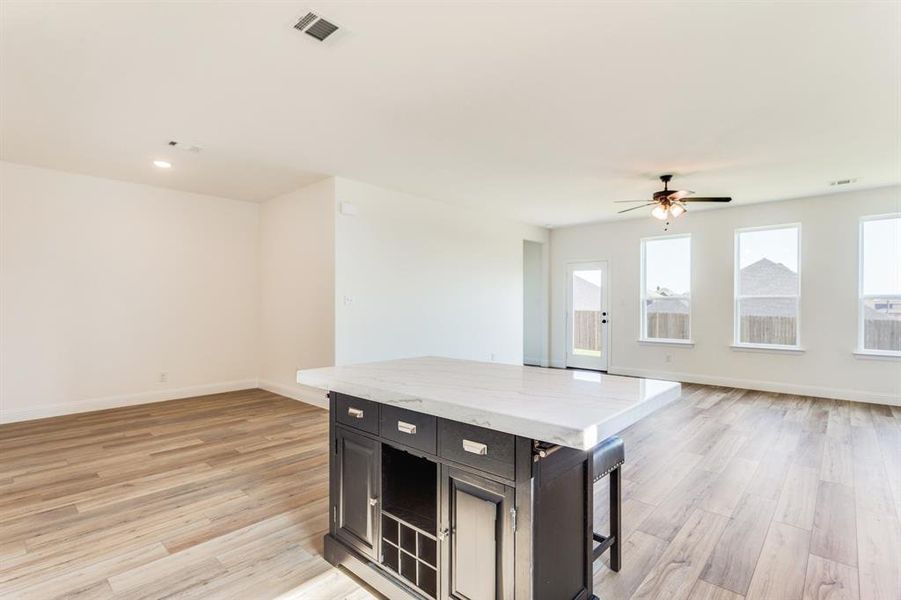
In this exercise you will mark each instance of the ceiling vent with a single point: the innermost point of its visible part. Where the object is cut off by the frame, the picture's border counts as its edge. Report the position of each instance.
(315, 26)
(183, 146)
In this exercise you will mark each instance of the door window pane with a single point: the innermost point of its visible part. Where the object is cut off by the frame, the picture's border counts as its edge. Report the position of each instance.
(586, 317)
(666, 288)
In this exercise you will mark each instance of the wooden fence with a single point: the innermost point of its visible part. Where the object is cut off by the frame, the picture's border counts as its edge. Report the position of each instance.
(671, 326)
(878, 335)
(587, 330)
(768, 330)
(882, 335)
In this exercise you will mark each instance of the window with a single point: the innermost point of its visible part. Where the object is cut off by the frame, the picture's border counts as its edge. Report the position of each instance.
(767, 286)
(666, 289)
(880, 284)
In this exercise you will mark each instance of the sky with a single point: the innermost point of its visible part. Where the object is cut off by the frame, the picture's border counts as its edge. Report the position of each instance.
(882, 256)
(668, 264)
(778, 245)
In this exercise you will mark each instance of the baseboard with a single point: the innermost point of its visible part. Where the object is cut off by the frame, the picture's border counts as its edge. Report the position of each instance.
(764, 386)
(80, 406)
(303, 394)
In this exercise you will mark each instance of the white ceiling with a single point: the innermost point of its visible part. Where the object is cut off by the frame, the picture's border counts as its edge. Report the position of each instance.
(544, 111)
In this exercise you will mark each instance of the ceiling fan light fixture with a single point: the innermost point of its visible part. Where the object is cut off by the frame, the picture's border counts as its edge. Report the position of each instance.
(660, 212)
(676, 210)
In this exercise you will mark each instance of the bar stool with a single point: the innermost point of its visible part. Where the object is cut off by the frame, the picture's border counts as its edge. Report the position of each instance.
(609, 456)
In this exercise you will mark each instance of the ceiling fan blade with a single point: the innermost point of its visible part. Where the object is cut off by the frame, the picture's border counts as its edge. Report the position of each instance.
(679, 194)
(721, 199)
(635, 207)
(621, 201)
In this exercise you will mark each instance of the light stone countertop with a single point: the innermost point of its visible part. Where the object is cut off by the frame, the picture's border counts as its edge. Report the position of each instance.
(572, 408)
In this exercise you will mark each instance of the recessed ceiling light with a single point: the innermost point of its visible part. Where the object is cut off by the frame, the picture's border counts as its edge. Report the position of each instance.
(162, 164)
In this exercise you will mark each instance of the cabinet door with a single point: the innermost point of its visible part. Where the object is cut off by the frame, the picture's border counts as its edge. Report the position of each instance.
(477, 529)
(357, 476)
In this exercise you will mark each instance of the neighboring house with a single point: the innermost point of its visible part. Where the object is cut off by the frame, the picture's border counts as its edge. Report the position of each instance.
(663, 304)
(585, 294)
(661, 301)
(883, 310)
(768, 278)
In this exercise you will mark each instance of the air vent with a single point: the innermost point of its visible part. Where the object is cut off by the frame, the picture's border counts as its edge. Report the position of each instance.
(315, 26)
(843, 181)
(183, 146)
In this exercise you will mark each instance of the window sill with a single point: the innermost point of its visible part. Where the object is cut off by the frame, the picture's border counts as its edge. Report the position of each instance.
(877, 354)
(666, 342)
(767, 348)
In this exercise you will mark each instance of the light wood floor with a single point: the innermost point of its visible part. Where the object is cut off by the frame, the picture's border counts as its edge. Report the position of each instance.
(728, 494)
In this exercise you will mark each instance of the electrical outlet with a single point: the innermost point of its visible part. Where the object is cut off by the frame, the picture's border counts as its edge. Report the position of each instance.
(491, 357)
(669, 358)
(164, 376)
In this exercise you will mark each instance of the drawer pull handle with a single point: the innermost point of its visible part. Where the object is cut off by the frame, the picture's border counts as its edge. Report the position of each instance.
(355, 412)
(475, 447)
(405, 427)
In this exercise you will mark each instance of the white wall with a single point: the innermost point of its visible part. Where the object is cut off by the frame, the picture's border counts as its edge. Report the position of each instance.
(106, 284)
(418, 277)
(297, 288)
(534, 318)
(828, 302)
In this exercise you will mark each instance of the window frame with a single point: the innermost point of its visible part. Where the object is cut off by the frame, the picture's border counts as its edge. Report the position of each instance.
(861, 297)
(737, 297)
(642, 293)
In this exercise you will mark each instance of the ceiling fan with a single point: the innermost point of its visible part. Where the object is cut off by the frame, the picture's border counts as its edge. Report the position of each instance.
(670, 203)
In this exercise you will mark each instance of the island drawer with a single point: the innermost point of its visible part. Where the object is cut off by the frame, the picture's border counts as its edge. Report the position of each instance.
(357, 413)
(485, 449)
(410, 428)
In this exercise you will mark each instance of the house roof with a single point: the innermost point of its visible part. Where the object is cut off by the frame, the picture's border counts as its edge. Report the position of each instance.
(768, 278)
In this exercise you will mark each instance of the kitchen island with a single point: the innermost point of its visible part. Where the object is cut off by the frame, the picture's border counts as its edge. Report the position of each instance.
(470, 480)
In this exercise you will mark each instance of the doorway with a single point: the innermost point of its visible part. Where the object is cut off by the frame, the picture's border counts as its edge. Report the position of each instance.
(587, 345)
(534, 310)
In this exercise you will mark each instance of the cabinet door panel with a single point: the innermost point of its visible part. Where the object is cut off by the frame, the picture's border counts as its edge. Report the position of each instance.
(478, 549)
(474, 546)
(358, 477)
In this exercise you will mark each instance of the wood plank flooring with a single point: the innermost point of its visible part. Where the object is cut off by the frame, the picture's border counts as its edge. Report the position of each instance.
(759, 496)
(728, 494)
(221, 496)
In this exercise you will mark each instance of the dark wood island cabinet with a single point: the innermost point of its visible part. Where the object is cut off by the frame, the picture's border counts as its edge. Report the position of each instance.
(425, 507)
(470, 481)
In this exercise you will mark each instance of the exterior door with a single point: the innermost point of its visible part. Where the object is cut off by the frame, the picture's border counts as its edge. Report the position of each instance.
(587, 317)
(477, 521)
(358, 474)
